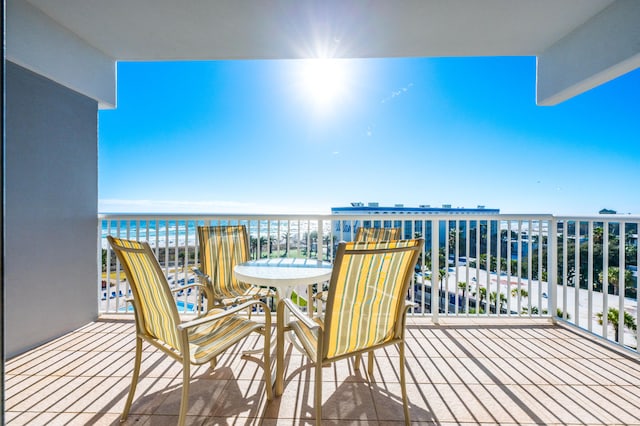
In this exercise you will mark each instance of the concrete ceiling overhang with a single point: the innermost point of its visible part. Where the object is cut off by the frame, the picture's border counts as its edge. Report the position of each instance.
(578, 43)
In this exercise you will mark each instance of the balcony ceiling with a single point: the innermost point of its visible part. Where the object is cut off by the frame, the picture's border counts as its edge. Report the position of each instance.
(579, 44)
(147, 30)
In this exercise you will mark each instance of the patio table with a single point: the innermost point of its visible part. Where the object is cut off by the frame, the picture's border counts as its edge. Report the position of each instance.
(285, 275)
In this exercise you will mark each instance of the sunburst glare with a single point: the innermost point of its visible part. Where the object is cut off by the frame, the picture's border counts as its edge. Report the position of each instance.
(323, 82)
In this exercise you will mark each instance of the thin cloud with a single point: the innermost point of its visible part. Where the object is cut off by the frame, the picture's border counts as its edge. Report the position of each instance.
(399, 92)
(173, 206)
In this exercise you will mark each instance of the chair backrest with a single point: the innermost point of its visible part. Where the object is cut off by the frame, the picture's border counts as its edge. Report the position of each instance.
(377, 234)
(155, 309)
(221, 249)
(368, 285)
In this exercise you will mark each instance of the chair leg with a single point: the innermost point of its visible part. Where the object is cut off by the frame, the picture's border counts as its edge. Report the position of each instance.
(184, 402)
(318, 394)
(403, 385)
(267, 364)
(134, 379)
(279, 350)
(213, 362)
(356, 362)
(370, 358)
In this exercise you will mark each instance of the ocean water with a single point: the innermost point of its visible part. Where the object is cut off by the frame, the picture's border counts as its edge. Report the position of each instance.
(168, 233)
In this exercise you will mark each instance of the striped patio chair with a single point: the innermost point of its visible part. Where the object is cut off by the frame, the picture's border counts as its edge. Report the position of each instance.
(221, 249)
(362, 234)
(377, 234)
(196, 342)
(366, 310)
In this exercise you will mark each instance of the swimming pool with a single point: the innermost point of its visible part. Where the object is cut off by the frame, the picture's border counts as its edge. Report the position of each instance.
(190, 307)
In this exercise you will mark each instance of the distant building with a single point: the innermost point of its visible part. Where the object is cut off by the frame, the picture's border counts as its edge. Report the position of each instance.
(343, 230)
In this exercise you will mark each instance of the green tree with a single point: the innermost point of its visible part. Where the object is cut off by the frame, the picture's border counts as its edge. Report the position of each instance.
(613, 278)
(286, 237)
(326, 241)
(612, 318)
(523, 293)
(560, 314)
(463, 286)
(253, 244)
(499, 301)
(481, 293)
(104, 260)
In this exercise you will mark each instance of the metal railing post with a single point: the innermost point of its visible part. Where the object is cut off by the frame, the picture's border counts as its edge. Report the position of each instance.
(435, 270)
(320, 242)
(552, 268)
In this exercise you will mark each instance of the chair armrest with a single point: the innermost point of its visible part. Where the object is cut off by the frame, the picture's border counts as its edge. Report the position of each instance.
(182, 287)
(202, 287)
(293, 308)
(402, 321)
(321, 295)
(226, 313)
(204, 278)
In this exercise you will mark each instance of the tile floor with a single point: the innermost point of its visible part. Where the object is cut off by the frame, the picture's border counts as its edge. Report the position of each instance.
(462, 372)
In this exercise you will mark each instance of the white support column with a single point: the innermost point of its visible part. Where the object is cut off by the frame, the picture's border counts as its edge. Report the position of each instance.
(38, 43)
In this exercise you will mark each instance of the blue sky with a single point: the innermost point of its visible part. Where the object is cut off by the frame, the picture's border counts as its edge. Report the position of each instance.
(302, 137)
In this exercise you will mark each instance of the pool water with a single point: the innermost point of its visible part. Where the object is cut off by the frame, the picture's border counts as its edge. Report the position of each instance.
(190, 307)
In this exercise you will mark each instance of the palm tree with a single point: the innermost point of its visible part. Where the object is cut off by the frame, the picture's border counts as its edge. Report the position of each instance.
(326, 241)
(493, 299)
(534, 310)
(263, 245)
(598, 233)
(442, 286)
(523, 293)
(462, 286)
(612, 318)
(482, 294)
(612, 277)
(560, 313)
(253, 243)
(286, 237)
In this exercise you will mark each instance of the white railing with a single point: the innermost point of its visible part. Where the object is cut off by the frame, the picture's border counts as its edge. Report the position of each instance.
(487, 265)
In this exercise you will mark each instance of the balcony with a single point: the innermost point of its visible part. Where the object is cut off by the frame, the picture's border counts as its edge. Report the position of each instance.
(463, 371)
(57, 78)
(538, 355)
(488, 265)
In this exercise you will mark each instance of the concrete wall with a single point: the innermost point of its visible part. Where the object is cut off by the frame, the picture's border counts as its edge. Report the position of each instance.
(51, 193)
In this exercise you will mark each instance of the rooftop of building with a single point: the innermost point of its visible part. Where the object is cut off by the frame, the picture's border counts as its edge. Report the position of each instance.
(401, 208)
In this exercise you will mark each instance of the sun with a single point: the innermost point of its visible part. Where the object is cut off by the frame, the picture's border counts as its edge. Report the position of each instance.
(323, 82)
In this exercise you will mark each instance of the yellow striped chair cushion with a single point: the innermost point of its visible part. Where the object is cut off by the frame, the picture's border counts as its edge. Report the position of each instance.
(222, 248)
(367, 295)
(151, 289)
(253, 292)
(369, 234)
(211, 339)
(377, 234)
